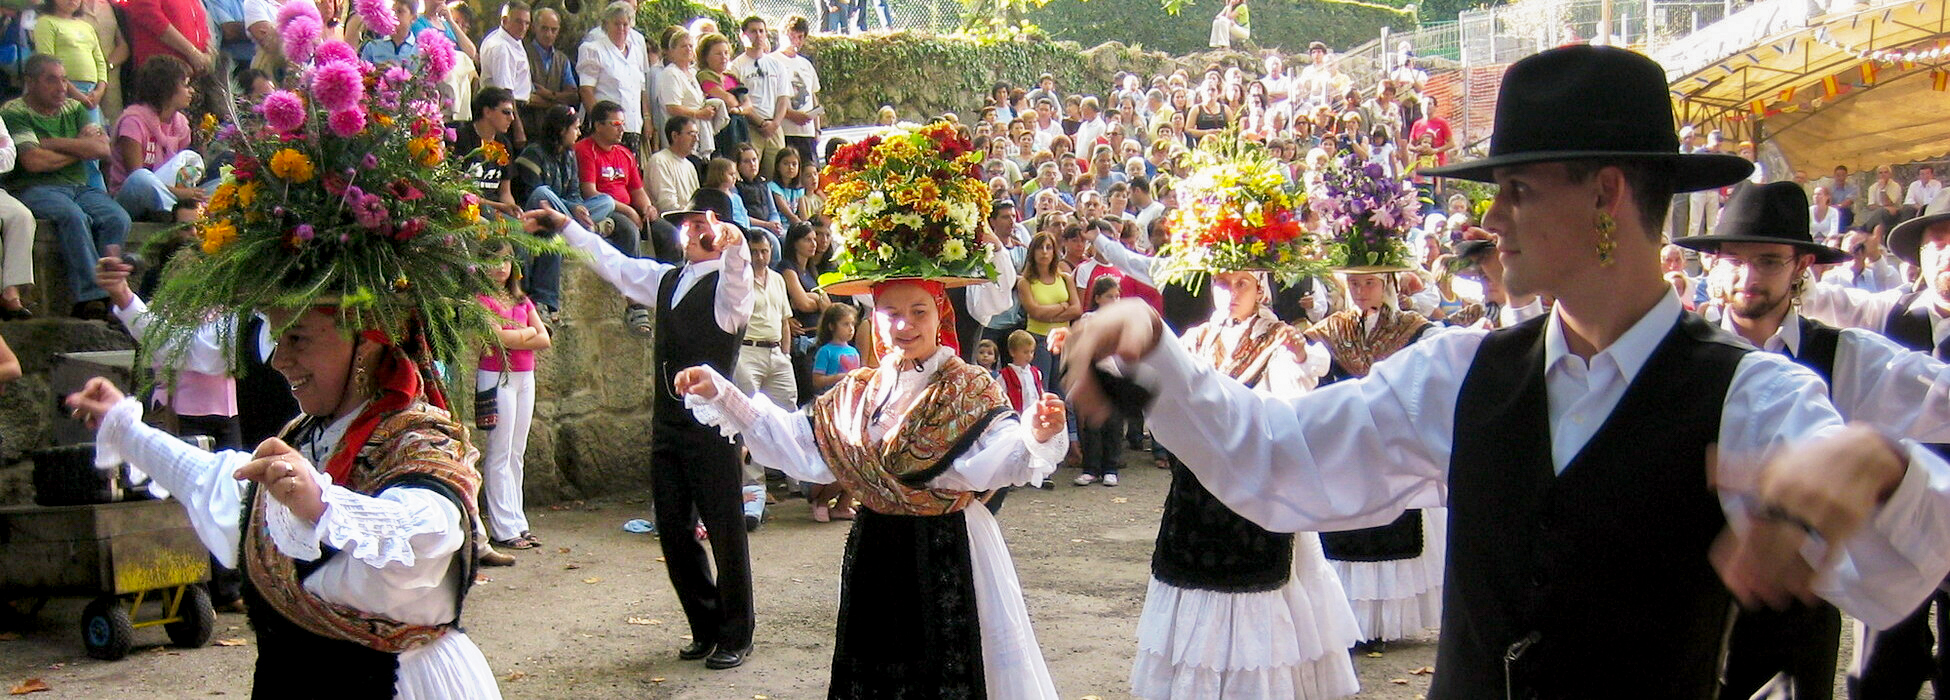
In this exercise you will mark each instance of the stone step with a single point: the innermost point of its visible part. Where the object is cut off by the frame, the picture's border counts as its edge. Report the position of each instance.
(49, 295)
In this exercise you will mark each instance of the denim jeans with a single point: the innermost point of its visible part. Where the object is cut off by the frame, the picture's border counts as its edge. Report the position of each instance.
(544, 279)
(145, 191)
(87, 220)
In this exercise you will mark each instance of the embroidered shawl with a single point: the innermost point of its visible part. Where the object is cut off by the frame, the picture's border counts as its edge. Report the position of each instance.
(418, 445)
(1247, 360)
(1357, 351)
(890, 476)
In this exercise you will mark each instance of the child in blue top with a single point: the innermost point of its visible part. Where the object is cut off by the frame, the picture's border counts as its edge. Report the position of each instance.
(836, 357)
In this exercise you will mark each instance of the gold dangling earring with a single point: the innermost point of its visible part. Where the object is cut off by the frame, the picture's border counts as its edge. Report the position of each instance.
(1606, 225)
(361, 379)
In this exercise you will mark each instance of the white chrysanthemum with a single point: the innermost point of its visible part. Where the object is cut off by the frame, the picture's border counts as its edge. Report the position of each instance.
(954, 250)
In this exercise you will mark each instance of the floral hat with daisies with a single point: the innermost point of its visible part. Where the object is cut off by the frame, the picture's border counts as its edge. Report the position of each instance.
(342, 194)
(908, 203)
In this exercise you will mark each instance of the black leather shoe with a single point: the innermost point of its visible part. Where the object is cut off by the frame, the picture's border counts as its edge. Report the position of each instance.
(727, 658)
(695, 650)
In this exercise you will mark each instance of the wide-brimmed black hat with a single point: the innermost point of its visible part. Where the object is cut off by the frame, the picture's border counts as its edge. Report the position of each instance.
(1906, 239)
(1586, 103)
(1469, 253)
(1776, 212)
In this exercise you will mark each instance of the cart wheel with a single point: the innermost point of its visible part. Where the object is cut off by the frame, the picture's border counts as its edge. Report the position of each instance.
(199, 619)
(106, 630)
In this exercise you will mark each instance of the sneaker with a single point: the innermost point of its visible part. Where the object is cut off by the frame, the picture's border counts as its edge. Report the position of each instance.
(1084, 480)
(751, 523)
(1110, 479)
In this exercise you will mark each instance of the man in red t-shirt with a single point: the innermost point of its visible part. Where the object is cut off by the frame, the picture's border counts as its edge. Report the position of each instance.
(1436, 126)
(607, 167)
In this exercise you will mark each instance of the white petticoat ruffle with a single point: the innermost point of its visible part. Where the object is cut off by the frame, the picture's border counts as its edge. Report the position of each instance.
(1286, 643)
(1397, 599)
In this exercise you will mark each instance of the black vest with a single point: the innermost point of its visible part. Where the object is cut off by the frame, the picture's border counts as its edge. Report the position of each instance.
(264, 401)
(1911, 328)
(687, 336)
(1604, 566)
(1185, 308)
(1818, 344)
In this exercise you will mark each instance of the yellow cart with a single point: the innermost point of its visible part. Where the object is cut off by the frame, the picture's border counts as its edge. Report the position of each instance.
(125, 555)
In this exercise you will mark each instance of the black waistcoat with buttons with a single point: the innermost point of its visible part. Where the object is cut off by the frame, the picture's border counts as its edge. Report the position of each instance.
(1597, 580)
(687, 335)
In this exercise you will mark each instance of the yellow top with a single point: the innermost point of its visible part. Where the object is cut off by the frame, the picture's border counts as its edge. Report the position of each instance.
(1053, 293)
(74, 42)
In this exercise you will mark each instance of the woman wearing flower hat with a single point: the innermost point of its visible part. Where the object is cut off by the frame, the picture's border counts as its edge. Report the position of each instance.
(929, 601)
(355, 528)
(1233, 609)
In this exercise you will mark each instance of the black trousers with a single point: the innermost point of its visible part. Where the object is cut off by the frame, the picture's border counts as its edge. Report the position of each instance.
(1101, 448)
(1802, 642)
(1902, 657)
(695, 475)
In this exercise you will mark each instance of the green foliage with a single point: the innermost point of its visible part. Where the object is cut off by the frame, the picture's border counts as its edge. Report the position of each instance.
(1284, 24)
(933, 74)
(653, 15)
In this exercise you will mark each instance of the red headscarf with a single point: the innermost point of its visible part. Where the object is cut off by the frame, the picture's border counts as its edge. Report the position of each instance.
(945, 335)
(399, 381)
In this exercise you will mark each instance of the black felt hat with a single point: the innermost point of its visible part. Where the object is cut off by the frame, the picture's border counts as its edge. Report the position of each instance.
(1586, 103)
(1776, 212)
(1906, 239)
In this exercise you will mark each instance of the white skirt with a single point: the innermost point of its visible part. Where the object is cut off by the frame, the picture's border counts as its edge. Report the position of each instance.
(450, 667)
(1286, 643)
(1012, 663)
(1396, 599)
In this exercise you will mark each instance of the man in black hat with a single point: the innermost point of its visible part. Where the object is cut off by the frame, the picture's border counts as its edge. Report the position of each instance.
(701, 308)
(1761, 253)
(1476, 260)
(1572, 450)
(1894, 662)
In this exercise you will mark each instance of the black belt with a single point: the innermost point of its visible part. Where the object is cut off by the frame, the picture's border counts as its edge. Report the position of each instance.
(767, 344)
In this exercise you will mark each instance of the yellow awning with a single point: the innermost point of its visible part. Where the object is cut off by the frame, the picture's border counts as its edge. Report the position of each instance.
(1857, 88)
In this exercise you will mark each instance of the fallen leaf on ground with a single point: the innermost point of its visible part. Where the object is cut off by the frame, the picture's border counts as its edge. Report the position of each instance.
(684, 637)
(1398, 681)
(593, 579)
(1374, 655)
(660, 559)
(231, 642)
(1091, 697)
(760, 697)
(572, 567)
(639, 621)
(658, 679)
(9, 636)
(1423, 671)
(1074, 539)
(1120, 499)
(561, 550)
(512, 677)
(31, 685)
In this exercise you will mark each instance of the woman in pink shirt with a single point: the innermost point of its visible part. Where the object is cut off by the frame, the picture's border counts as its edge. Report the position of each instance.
(153, 167)
(511, 379)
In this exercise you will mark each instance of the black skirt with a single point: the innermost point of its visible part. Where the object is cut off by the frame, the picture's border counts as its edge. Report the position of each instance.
(908, 625)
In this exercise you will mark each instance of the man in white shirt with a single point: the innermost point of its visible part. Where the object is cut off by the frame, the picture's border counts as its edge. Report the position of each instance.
(694, 471)
(1762, 251)
(504, 61)
(1148, 207)
(1092, 127)
(611, 65)
(1047, 125)
(802, 115)
(1923, 190)
(1562, 555)
(771, 90)
(672, 175)
(1870, 271)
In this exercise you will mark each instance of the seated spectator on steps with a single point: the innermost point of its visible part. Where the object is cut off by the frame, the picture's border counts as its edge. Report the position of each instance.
(153, 166)
(485, 146)
(756, 193)
(16, 239)
(55, 141)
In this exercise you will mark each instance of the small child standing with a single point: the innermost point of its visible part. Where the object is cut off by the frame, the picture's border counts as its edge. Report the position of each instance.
(1022, 382)
(835, 358)
(987, 357)
(1102, 450)
(513, 386)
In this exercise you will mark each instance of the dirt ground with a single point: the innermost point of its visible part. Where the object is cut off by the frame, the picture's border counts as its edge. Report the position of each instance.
(590, 614)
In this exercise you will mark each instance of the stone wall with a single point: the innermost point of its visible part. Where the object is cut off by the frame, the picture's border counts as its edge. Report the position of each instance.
(591, 434)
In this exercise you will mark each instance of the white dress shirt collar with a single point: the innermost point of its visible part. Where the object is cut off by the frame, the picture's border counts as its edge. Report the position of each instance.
(1787, 338)
(1630, 352)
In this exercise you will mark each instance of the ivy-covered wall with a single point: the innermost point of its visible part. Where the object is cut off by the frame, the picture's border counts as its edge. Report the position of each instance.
(923, 75)
(1283, 24)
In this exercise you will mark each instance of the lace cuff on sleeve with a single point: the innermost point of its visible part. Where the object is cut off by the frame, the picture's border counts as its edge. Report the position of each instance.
(376, 531)
(731, 412)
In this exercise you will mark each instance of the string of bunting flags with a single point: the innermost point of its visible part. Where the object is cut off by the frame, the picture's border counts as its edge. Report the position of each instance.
(1875, 66)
